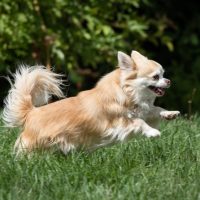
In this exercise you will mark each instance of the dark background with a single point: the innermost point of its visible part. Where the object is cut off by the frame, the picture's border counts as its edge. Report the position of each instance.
(81, 40)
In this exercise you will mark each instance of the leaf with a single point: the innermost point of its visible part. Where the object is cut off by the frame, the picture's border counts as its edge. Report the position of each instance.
(106, 30)
(59, 54)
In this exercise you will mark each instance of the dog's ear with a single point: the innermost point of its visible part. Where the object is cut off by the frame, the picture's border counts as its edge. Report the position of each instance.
(139, 59)
(125, 62)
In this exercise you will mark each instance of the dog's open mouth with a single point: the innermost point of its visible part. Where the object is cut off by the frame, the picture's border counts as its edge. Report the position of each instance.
(158, 90)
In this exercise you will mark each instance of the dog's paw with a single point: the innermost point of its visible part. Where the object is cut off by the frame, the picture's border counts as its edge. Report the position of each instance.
(152, 133)
(169, 114)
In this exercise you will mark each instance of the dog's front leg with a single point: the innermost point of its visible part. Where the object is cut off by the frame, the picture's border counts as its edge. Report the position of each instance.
(140, 125)
(165, 114)
(127, 129)
(169, 114)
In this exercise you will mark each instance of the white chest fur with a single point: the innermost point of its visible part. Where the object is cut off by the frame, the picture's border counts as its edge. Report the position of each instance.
(143, 111)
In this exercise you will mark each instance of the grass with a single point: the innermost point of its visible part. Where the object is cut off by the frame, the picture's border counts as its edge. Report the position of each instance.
(161, 168)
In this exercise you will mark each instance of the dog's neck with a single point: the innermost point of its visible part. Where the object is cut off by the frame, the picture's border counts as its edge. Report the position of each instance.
(141, 97)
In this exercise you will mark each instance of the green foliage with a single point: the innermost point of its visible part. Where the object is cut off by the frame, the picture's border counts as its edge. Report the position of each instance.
(82, 38)
(164, 168)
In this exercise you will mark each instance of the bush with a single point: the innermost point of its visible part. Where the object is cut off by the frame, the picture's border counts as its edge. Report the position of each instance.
(81, 38)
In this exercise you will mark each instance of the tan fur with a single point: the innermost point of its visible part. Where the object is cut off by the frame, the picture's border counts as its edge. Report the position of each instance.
(105, 114)
(78, 120)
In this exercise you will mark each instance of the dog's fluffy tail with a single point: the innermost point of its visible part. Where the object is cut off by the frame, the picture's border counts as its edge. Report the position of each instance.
(31, 88)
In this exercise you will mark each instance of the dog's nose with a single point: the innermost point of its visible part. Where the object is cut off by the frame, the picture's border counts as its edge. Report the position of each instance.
(168, 82)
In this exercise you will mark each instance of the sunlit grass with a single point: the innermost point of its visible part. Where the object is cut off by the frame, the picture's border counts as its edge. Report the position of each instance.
(162, 168)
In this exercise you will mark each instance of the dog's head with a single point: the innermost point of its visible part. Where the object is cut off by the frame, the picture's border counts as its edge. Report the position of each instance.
(141, 74)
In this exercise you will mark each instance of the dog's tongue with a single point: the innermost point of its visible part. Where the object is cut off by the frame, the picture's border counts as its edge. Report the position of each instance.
(161, 91)
(158, 90)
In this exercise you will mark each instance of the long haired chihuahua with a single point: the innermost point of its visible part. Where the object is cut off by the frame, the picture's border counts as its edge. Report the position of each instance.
(118, 107)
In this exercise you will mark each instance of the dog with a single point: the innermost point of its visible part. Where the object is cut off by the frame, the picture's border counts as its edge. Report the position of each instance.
(118, 107)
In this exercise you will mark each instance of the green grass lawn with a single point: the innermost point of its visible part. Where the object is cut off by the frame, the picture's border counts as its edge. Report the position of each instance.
(158, 168)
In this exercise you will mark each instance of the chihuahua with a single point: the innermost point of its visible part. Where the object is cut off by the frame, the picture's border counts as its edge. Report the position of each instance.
(118, 107)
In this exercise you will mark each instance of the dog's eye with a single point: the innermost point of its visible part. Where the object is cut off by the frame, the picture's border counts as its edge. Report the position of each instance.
(156, 77)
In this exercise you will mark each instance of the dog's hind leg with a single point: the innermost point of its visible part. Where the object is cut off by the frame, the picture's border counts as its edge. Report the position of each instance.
(25, 143)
